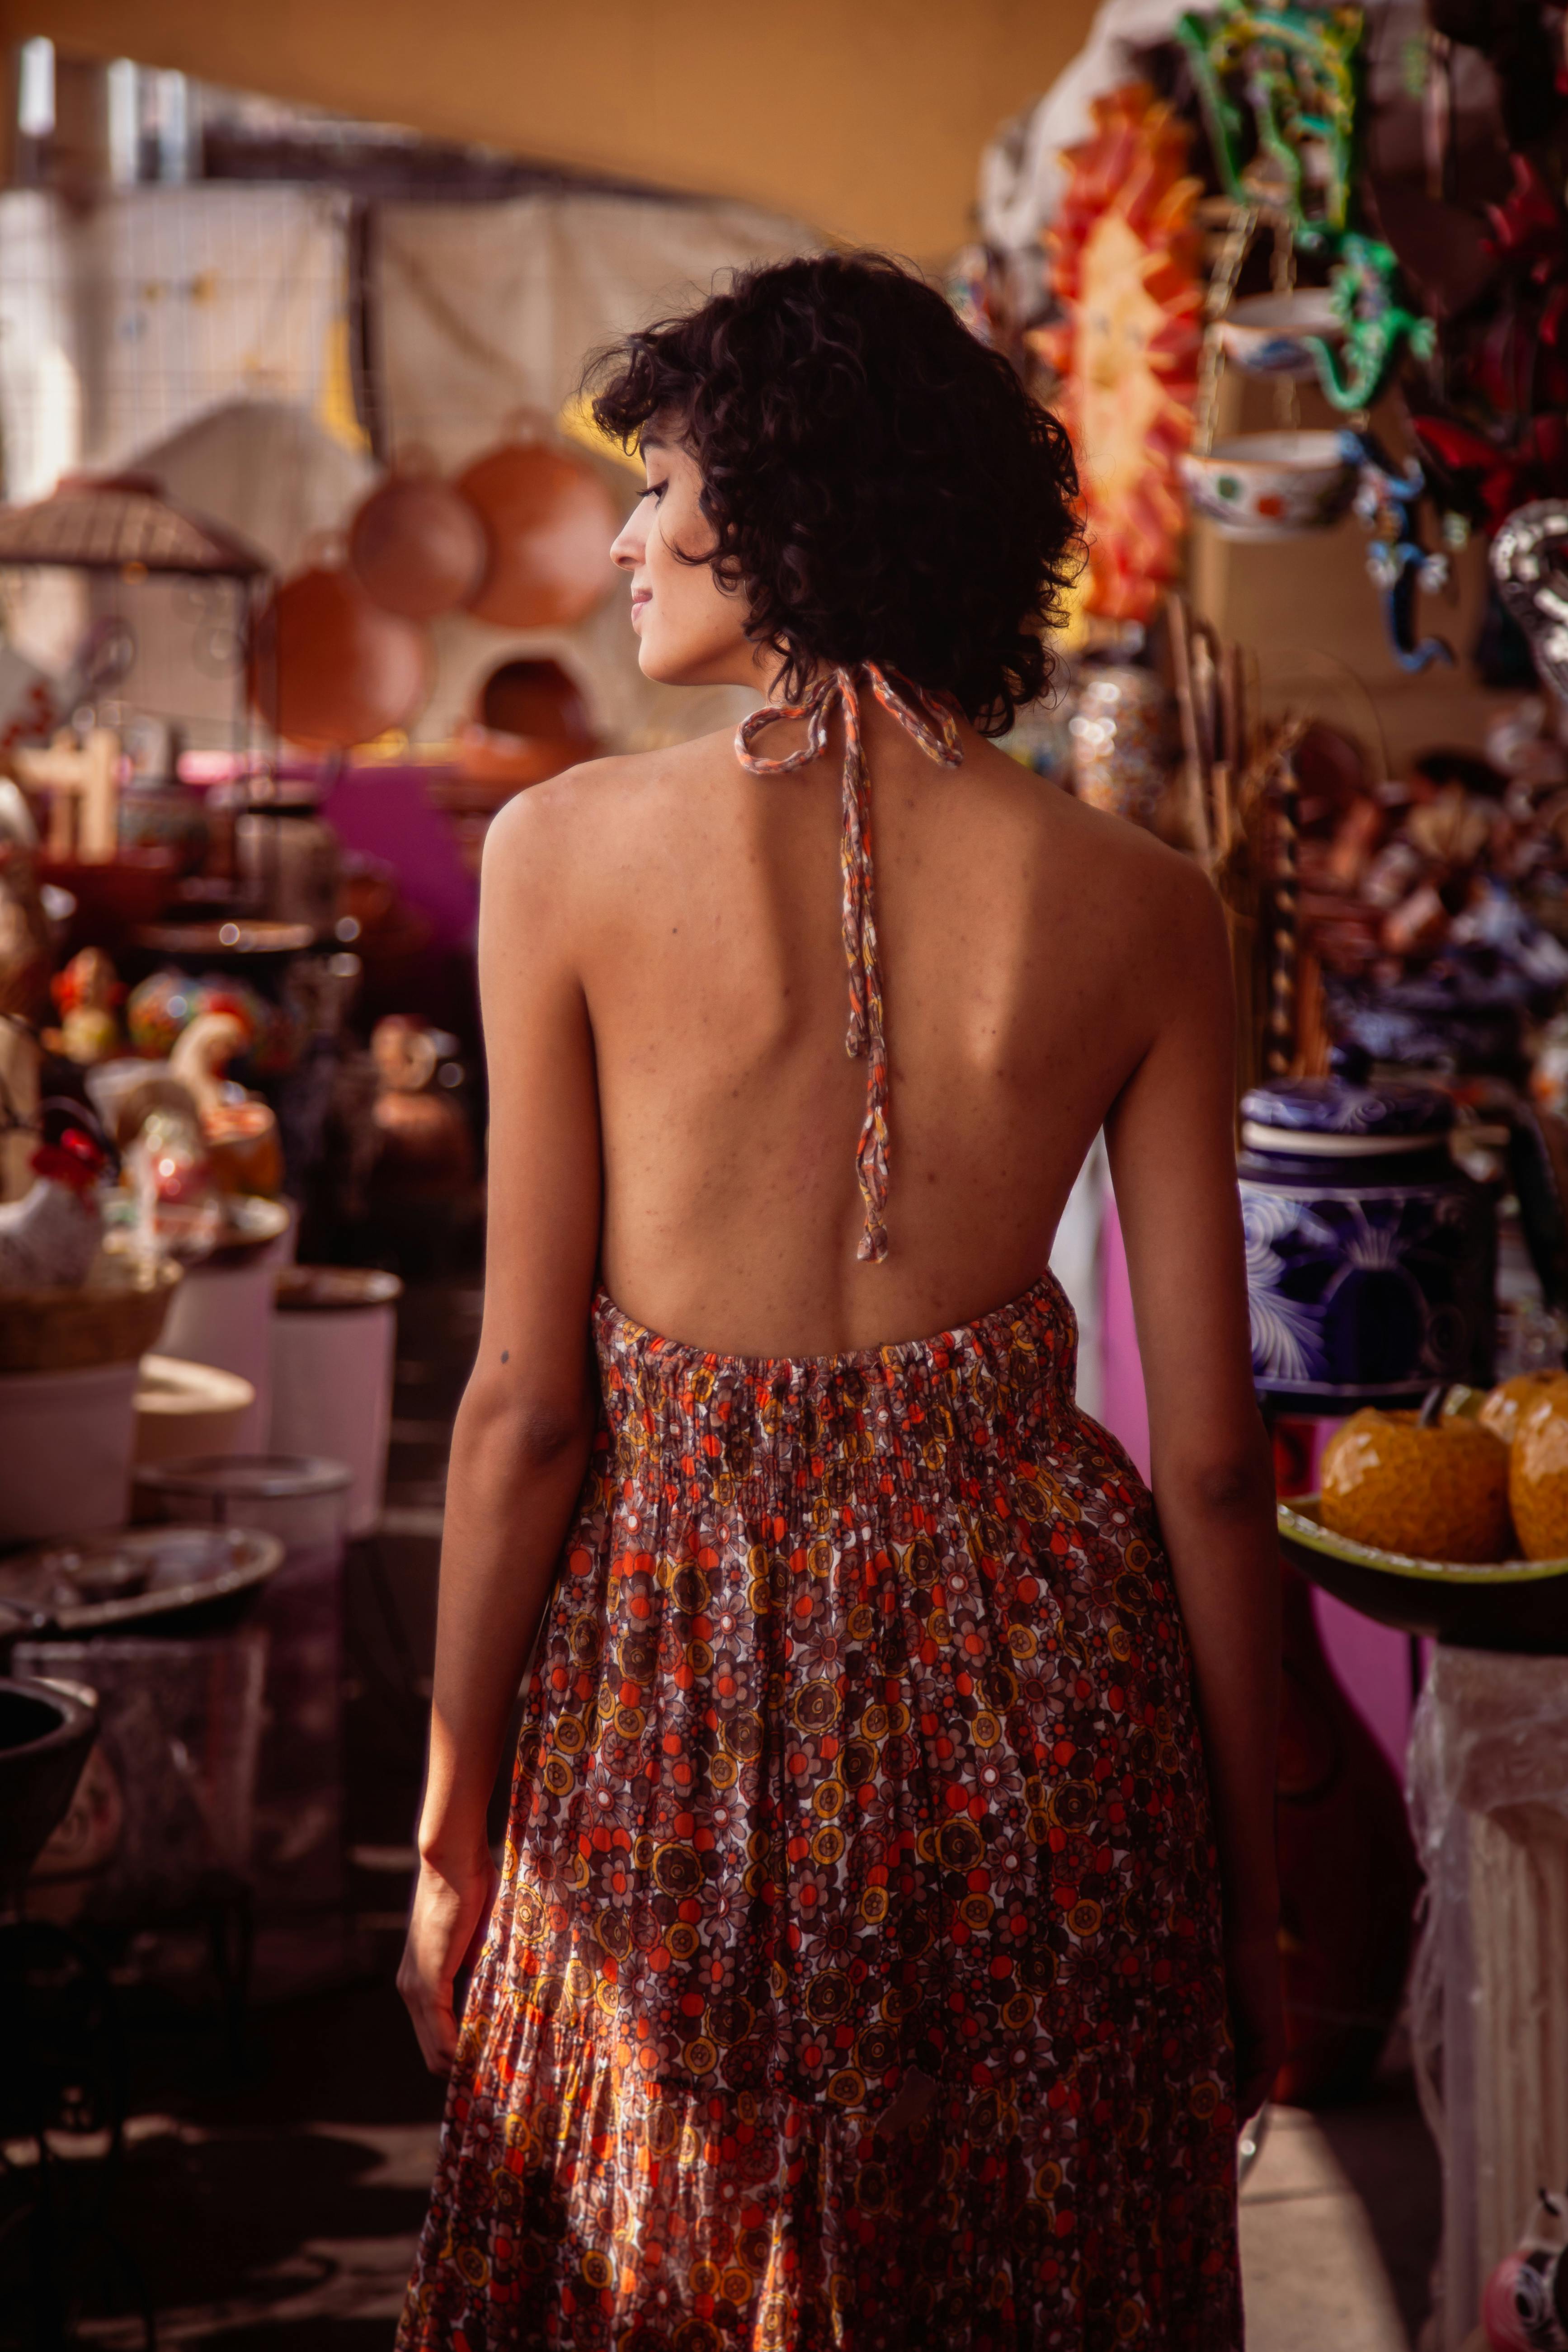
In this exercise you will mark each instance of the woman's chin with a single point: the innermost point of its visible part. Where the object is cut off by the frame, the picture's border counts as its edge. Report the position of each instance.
(670, 666)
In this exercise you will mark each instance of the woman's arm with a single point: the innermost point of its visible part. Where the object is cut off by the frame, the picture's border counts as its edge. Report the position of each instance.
(1173, 1160)
(525, 1425)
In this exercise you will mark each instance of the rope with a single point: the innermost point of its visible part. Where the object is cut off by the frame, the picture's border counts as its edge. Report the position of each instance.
(933, 727)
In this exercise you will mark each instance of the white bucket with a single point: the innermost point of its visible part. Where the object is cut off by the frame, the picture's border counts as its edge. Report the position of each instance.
(334, 1355)
(222, 1315)
(65, 1451)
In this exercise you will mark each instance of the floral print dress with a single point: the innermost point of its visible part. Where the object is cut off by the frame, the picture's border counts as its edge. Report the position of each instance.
(855, 1978)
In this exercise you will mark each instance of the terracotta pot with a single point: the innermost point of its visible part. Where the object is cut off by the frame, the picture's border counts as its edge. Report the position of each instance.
(488, 756)
(533, 697)
(550, 520)
(329, 668)
(417, 547)
(530, 722)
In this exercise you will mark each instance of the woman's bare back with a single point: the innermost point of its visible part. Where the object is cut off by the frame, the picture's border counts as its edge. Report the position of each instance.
(1028, 947)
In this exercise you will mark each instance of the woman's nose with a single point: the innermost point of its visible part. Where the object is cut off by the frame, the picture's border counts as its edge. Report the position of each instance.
(627, 549)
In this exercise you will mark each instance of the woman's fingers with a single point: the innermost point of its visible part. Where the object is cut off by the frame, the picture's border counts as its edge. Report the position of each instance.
(446, 1933)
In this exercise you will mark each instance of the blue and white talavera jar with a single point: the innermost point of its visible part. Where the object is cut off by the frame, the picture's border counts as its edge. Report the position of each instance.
(1371, 1256)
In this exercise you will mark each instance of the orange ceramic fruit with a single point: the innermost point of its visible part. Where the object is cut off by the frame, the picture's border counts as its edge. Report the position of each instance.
(1538, 1473)
(1437, 1494)
(1505, 1408)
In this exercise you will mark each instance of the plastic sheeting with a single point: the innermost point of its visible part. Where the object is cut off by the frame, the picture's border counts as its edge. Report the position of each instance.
(124, 323)
(1488, 1787)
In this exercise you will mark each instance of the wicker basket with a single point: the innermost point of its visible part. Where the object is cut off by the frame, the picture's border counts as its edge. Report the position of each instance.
(113, 1317)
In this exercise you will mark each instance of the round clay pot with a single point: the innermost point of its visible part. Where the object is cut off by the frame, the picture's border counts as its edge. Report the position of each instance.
(533, 697)
(549, 521)
(416, 547)
(329, 668)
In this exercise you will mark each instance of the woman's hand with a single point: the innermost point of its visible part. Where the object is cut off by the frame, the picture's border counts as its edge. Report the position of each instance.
(1257, 2014)
(447, 1926)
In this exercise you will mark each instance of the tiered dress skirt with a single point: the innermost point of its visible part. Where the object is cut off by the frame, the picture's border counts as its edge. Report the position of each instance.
(855, 1979)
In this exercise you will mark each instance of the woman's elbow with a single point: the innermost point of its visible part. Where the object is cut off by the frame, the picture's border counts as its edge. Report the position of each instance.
(1232, 1484)
(534, 1432)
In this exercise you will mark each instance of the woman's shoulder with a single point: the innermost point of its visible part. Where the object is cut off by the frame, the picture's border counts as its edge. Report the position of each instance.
(573, 817)
(597, 789)
(1100, 857)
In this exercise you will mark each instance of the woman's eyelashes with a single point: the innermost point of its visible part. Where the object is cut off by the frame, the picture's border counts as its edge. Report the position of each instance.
(652, 490)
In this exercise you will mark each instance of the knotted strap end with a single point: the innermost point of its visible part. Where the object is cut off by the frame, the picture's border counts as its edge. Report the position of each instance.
(932, 722)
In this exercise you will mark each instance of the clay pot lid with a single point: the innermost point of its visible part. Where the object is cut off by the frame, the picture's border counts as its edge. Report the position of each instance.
(302, 1289)
(415, 545)
(1322, 1116)
(328, 669)
(549, 521)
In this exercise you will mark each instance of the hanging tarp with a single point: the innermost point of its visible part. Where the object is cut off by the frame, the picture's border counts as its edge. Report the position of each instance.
(480, 310)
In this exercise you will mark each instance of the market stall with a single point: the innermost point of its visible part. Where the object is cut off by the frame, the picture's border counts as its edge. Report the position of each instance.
(320, 592)
(1294, 278)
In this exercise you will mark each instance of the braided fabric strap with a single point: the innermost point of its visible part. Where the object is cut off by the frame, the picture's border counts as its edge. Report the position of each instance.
(933, 727)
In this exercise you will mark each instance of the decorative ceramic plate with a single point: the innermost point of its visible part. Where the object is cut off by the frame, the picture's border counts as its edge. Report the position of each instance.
(1507, 1604)
(143, 1580)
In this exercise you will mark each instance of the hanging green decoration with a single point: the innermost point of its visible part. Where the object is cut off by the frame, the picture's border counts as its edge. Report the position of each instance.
(1297, 69)
(1375, 326)
(1294, 74)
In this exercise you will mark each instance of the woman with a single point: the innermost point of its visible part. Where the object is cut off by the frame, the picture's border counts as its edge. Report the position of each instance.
(893, 1806)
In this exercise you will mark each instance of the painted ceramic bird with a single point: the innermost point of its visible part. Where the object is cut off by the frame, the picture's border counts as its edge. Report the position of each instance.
(49, 1238)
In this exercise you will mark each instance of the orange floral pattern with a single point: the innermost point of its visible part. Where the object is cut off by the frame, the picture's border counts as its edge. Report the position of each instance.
(854, 1978)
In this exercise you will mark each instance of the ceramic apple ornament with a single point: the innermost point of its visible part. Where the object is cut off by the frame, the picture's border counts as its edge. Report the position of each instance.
(1433, 1485)
(1538, 1474)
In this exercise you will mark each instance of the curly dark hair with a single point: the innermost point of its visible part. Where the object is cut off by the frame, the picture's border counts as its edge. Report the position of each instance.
(880, 486)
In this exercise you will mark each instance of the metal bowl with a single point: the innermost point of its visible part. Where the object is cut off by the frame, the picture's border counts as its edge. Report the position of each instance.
(172, 1579)
(1508, 1604)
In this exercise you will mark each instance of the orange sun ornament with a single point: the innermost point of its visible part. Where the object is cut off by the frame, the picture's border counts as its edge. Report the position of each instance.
(1124, 261)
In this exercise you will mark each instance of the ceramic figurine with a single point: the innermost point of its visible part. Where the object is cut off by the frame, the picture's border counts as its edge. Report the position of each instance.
(157, 1011)
(240, 1132)
(1124, 264)
(1524, 2306)
(425, 1142)
(1375, 326)
(202, 1053)
(50, 1237)
(178, 1212)
(1386, 501)
(87, 993)
(161, 1007)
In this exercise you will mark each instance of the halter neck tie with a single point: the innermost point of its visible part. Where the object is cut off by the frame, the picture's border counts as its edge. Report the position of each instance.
(932, 725)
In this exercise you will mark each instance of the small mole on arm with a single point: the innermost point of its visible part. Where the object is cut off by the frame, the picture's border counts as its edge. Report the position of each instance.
(506, 1355)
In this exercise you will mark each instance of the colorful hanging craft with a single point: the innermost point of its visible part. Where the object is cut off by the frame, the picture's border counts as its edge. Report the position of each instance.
(1292, 74)
(1124, 264)
(1294, 70)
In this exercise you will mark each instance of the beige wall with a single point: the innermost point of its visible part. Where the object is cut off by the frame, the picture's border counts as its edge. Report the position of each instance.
(865, 117)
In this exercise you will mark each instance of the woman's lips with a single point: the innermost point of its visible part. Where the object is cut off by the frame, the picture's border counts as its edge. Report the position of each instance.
(641, 599)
